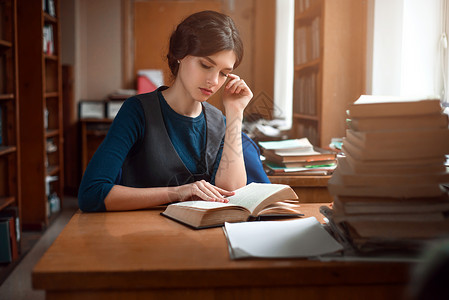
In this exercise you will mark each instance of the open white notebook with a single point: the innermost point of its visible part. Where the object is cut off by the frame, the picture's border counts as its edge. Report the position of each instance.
(277, 239)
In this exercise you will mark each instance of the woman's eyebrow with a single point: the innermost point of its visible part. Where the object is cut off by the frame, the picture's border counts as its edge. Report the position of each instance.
(214, 63)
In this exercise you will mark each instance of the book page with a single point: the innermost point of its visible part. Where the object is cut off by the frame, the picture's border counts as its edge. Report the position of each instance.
(253, 194)
(203, 205)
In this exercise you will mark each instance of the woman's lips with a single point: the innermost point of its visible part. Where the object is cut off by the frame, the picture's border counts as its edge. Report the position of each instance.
(206, 92)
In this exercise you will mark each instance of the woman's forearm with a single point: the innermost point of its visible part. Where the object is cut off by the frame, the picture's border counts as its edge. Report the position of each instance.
(128, 198)
(231, 173)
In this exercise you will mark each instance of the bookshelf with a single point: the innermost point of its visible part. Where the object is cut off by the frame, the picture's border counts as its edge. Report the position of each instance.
(10, 193)
(41, 126)
(93, 132)
(329, 66)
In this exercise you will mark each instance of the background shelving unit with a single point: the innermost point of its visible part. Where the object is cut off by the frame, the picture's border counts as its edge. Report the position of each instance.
(10, 193)
(93, 132)
(330, 63)
(41, 123)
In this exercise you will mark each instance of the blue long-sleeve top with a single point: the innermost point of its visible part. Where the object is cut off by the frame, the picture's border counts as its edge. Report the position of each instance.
(188, 136)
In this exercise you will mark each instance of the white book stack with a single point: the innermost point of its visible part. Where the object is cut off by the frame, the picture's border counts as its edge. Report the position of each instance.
(387, 189)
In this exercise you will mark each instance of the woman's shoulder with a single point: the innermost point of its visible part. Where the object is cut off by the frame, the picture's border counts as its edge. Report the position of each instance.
(132, 105)
(130, 114)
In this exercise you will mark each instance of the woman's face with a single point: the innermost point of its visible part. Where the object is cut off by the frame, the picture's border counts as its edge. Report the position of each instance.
(203, 76)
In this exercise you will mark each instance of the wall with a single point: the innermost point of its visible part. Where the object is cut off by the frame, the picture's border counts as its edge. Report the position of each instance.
(421, 65)
(92, 42)
(405, 56)
(100, 49)
(387, 47)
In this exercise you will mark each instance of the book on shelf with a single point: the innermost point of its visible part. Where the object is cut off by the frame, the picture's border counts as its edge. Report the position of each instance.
(94, 109)
(12, 212)
(9, 250)
(3, 63)
(249, 202)
(48, 39)
(304, 88)
(302, 164)
(1, 126)
(112, 108)
(387, 106)
(307, 169)
(399, 122)
(49, 7)
(287, 146)
(5, 242)
(318, 154)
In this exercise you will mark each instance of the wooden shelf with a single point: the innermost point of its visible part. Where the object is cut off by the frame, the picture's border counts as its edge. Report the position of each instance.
(305, 117)
(6, 201)
(335, 71)
(100, 133)
(51, 57)
(51, 94)
(6, 96)
(49, 133)
(50, 19)
(10, 172)
(5, 44)
(311, 12)
(4, 150)
(308, 65)
(93, 120)
(40, 79)
(52, 170)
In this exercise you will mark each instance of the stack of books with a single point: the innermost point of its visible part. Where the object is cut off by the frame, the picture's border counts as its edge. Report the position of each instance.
(387, 188)
(297, 157)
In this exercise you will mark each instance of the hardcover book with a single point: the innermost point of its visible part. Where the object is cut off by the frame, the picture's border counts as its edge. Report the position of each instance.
(251, 201)
(388, 106)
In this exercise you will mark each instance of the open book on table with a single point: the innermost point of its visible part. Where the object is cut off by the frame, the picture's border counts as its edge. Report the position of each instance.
(251, 201)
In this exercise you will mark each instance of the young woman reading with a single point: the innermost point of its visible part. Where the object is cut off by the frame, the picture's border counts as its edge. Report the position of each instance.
(171, 145)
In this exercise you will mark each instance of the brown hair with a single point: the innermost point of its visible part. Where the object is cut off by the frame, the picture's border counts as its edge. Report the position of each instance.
(202, 34)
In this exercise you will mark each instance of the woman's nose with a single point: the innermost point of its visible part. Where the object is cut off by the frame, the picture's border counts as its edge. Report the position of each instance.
(213, 78)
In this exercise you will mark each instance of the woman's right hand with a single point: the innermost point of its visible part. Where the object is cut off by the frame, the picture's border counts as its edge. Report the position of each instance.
(202, 190)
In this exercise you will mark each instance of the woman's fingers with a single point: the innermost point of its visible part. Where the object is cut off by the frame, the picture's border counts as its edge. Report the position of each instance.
(213, 189)
(207, 188)
(236, 85)
(224, 192)
(207, 192)
(232, 84)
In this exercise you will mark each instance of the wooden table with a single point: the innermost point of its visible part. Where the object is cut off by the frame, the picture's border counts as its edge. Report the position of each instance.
(142, 255)
(310, 189)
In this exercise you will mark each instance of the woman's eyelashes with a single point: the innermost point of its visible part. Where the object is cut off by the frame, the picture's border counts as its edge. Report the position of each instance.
(204, 66)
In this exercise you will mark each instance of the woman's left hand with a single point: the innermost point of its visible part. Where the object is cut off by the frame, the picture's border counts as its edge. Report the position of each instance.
(236, 95)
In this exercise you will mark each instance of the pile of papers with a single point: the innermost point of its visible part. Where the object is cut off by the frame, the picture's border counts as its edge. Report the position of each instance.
(279, 239)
